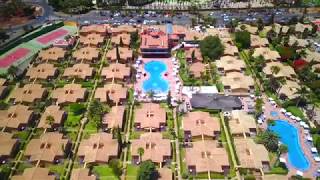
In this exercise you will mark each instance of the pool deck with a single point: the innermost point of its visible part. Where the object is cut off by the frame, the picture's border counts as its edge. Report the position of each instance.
(171, 78)
(302, 138)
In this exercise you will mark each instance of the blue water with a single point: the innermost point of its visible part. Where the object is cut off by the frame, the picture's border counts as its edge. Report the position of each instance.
(274, 113)
(289, 136)
(155, 82)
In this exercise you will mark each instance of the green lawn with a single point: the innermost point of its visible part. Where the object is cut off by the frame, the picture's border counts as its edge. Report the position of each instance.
(132, 171)
(104, 172)
(295, 111)
(58, 168)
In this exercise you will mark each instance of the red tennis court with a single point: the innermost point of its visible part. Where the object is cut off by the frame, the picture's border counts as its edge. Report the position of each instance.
(52, 36)
(13, 57)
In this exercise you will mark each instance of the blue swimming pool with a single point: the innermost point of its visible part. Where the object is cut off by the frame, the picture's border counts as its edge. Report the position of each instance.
(289, 136)
(274, 113)
(155, 82)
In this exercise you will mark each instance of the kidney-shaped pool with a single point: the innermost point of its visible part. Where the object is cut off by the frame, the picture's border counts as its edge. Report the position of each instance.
(155, 83)
(289, 136)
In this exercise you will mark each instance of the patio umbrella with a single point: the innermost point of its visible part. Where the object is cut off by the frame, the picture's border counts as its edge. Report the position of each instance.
(272, 102)
(283, 110)
(263, 107)
(270, 99)
(306, 126)
(292, 117)
(314, 150)
(288, 114)
(309, 138)
(299, 173)
(298, 118)
(283, 160)
(317, 159)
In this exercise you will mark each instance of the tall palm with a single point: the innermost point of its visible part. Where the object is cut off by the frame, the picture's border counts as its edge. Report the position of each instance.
(140, 152)
(313, 99)
(302, 93)
(282, 82)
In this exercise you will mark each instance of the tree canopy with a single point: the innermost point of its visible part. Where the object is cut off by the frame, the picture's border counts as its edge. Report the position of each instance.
(211, 47)
(243, 39)
(269, 140)
(147, 171)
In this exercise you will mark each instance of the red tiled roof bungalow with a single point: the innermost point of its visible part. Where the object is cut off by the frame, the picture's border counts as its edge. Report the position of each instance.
(99, 148)
(50, 148)
(196, 69)
(35, 173)
(79, 71)
(156, 149)
(29, 93)
(150, 116)
(102, 29)
(118, 72)
(200, 125)
(56, 113)
(70, 93)
(9, 146)
(197, 57)
(82, 174)
(114, 118)
(125, 38)
(207, 156)
(16, 117)
(95, 40)
(125, 55)
(42, 72)
(112, 94)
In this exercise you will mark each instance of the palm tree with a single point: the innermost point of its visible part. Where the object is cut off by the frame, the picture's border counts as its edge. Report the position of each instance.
(282, 82)
(313, 99)
(140, 152)
(49, 120)
(12, 71)
(301, 92)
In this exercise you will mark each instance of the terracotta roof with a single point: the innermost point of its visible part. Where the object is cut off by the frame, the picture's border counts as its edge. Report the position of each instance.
(312, 55)
(241, 122)
(15, 116)
(115, 117)
(117, 71)
(82, 174)
(164, 174)
(54, 53)
(301, 27)
(285, 70)
(86, 53)
(201, 123)
(150, 115)
(230, 63)
(155, 147)
(237, 81)
(91, 39)
(194, 35)
(50, 146)
(7, 144)
(250, 154)
(197, 68)
(69, 93)
(29, 93)
(2, 81)
(207, 156)
(125, 39)
(53, 111)
(42, 71)
(154, 40)
(35, 173)
(230, 49)
(98, 148)
(81, 70)
(123, 29)
(95, 28)
(267, 53)
(249, 28)
(290, 88)
(179, 30)
(280, 29)
(300, 42)
(113, 92)
(197, 54)
(125, 53)
(257, 41)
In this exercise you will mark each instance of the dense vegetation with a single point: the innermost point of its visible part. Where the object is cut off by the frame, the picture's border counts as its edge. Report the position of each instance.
(15, 8)
(147, 171)
(211, 47)
(243, 40)
(71, 6)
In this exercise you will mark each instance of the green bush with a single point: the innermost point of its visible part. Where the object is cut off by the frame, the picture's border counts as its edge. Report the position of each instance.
(243, 39)
(249, 177)
(76, 108)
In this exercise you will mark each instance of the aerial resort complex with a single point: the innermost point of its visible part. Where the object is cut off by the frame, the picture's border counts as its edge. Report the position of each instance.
(167, 90)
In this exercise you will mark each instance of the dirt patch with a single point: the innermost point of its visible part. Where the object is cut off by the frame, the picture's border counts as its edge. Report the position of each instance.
(14, 21)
